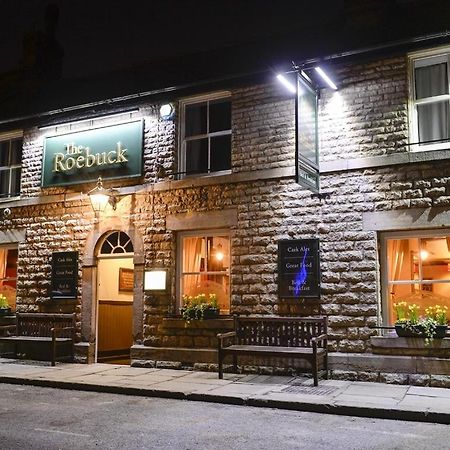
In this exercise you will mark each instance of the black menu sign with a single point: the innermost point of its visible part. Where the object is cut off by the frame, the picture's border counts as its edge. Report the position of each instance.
(64, 275)
(298, 268)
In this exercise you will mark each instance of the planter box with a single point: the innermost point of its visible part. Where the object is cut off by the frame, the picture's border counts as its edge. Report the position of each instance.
(210, 313)
(418, 331)
(5, 311)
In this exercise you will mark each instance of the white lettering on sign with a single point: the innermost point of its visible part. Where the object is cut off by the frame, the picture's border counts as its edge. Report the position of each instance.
(79, 156)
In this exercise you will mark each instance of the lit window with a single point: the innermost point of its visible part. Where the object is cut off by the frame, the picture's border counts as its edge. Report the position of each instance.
(417, 271)
(205, 266)
(206, 135)
(10, 167)
(8, 274)
(430, 101)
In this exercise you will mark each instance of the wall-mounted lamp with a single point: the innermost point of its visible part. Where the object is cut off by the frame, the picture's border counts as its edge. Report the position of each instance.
(286, 83)
(155, 280)
(326, 78)
(100, 197)
(166, 111)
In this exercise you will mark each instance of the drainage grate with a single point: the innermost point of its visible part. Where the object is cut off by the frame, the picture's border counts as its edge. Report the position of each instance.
(310, 390)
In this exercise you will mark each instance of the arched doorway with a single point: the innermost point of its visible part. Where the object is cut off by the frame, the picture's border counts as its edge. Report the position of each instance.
(114, 294)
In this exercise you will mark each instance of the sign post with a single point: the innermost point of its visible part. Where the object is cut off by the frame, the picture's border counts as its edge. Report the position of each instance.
(298, 268)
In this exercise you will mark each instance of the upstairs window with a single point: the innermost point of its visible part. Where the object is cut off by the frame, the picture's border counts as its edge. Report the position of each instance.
(430, 102)
(206, 135)
(10, 166)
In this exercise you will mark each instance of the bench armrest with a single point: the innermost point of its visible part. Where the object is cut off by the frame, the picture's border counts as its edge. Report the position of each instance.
(56, 330)
(222, 336)
(321, 337)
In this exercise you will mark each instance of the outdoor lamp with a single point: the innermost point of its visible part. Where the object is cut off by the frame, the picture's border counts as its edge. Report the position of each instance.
(286, 83)
(155, 280)
(100, 197)
(326, 78)
(166, 111)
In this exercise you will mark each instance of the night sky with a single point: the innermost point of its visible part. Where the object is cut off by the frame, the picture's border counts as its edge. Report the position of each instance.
(100, 36)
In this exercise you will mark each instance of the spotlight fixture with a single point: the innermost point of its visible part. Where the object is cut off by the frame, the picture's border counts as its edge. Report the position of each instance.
(286, 83)
(326, 78)
(166, 111)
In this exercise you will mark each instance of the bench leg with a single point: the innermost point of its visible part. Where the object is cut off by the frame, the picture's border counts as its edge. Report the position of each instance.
(315, 372)
(220, 359)
(235, 363)
(325, 365)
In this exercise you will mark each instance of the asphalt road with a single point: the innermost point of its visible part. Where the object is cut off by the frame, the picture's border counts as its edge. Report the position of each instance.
(45, 418)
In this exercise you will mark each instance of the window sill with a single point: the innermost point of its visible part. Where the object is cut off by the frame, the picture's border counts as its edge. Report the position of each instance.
(411, 157)
(394, 345)
(9, 199)
(221, 323)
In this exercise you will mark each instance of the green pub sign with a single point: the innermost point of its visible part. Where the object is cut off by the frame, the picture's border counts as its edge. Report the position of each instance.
(111, 152)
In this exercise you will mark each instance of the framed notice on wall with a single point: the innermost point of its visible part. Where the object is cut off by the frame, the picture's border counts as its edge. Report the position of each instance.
(64, 280)
(298, 268)
(126, 280)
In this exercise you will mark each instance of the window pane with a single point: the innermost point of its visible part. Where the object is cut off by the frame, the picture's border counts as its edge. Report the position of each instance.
(403, 258)
(16, 151)
(218, 253)
(8, 275)
(4, 153)
(15, 181)
(197, 156)
(208, 284)
(433, 121)
(195, 120)
(220, 153)
(219, 116)
(4, 183)
(431, 80)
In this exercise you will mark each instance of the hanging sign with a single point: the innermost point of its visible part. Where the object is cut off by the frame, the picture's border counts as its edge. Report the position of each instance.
(64, 275)
(298, 268)
(111, 152)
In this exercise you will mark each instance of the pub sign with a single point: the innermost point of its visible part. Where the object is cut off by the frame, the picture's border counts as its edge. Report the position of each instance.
(64, 275)
(111, 152)
(298, 268)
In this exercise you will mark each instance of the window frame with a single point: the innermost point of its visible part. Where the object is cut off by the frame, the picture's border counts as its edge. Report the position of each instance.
(423, 56)
(182, 141)
(384, 268)
(203, 233)
(9, 137)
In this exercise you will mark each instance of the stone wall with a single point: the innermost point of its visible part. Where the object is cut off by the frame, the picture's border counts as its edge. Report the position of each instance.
(366, 117)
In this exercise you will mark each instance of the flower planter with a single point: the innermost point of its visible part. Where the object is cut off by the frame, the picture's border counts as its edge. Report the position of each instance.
(419, 331)
(209, 313)
(5, 311)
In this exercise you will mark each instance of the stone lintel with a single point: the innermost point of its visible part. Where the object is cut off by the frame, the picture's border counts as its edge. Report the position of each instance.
(226, 218)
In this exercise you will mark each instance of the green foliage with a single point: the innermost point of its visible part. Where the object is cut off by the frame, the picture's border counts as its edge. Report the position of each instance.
(3, 302)
(198, 307)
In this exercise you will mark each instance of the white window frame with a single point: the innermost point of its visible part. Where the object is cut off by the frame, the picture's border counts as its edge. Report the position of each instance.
(422, 59)
(11, 136)
(385, 284)
(179, 271)
(182, 144)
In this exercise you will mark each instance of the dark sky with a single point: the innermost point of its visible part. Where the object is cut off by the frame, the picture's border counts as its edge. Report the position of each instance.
(99, 35)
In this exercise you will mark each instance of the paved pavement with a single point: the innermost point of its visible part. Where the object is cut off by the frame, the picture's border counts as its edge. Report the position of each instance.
(424, 404)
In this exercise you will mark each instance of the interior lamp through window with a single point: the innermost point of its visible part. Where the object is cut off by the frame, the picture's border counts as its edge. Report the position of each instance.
(219, 253)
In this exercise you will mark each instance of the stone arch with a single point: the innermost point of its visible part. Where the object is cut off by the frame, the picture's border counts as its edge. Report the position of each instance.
(89, 278)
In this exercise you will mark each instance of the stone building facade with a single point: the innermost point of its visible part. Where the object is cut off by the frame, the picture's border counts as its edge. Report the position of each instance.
(376, 184)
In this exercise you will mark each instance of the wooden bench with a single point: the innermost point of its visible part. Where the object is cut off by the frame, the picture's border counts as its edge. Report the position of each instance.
(55, 332)
(289, 337)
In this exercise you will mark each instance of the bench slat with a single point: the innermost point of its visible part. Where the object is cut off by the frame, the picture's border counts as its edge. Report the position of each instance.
(271, 349)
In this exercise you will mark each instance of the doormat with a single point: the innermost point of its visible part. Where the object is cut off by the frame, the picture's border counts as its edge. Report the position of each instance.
(310, 390)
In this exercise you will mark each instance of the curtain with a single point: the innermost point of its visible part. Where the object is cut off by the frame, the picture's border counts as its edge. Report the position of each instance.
(432, 118)
(192, 255)
(3, 254)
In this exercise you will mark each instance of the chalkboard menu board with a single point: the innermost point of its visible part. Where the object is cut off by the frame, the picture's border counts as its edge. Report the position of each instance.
(298, 268)
(64, 275)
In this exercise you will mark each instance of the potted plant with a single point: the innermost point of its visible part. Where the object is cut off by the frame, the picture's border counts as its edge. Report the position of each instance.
(409, 323)
(200, 307)
(5, 309)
